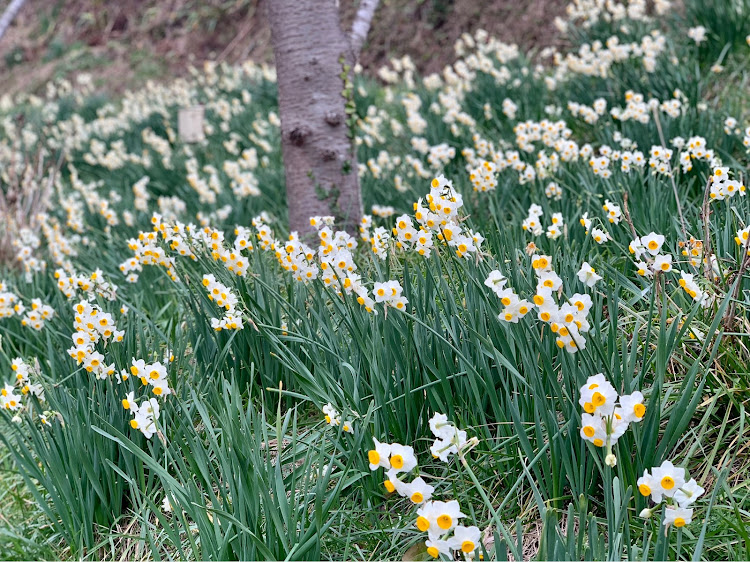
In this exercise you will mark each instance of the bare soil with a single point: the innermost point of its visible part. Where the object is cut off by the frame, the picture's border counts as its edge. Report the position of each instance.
(124, 42)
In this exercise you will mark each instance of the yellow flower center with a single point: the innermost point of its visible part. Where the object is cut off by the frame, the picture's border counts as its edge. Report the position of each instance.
(468, 546)
(134, 424)
(397, 461)
(588, 431)
(667, 482)
(598, 442)
(445, 521)
(644, 490)
(372, 456)
(126, 404)
(434, 552)
(598, 399)
(639, 410)
(389, 486)
(422, 523)
(679, 522)
(417, 497)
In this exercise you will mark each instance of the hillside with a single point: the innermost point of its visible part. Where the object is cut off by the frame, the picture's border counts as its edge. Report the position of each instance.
(123, 43)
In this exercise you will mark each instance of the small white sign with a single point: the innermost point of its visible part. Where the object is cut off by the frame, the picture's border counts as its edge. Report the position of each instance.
(190, 124)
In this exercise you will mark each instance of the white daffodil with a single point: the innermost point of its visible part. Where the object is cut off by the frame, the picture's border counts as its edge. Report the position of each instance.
(677, 516)
(669, 477)
(418, 491)
(598, 396)
(587, 275)
(652, 243)
(402, 458)
(688, 493)
(465, 539)
(632, 407)
(378, 457)
(663, 263)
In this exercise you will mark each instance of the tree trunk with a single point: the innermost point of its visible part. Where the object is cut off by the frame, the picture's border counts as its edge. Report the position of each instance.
(10, 13)
(320, 161)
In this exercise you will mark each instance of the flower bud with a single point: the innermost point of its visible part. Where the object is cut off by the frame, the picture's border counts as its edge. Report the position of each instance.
(646, 513)
(610, 460)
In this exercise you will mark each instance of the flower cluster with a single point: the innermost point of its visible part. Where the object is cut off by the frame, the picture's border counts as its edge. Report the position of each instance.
(607, 415)
(93, 325)
(439, 519)
(226, 299)
(144, 415)
(724, 188)
(70, 283)
(36, 315)
(441, 217)
(150, 374)
(9, 399)
(10, 304)
(568, 321)
(333, 418)
(668, 483)
(449, 440)
(533, 222)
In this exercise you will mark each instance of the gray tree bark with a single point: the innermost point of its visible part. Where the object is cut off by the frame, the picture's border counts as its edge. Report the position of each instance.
(313, 60)
(9, 14)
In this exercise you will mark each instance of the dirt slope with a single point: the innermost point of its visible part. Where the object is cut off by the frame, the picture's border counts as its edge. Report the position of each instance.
(124, 42)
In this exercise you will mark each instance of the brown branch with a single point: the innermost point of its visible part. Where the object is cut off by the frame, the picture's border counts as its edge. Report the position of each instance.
(9, 15)
(705, 218)
(671, 175)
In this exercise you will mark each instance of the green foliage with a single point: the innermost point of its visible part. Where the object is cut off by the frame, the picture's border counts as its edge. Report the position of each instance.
(243, 465)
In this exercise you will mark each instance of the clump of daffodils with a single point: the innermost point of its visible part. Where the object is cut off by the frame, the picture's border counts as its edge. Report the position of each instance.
(441, 217)
(724, 188)
(24, 373)
(70, 282)
(92, 325)
(439, 519)
(449, 440)
(144, 415)
(567, 320)
(389, 293)
(11, 395)
(10, 304)
(399, 460)
(333, 418)
(37, 314)
(669, 484)
(226, 299)
(533, 222)
(151, 374)
(607, 415)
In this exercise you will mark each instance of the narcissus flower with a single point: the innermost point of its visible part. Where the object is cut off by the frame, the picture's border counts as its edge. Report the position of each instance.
(662, 263)
(378, 456)
(652, 243)
(465, 539)
(677, 516)
(402, 458)
(598, 396)
(587, 275)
